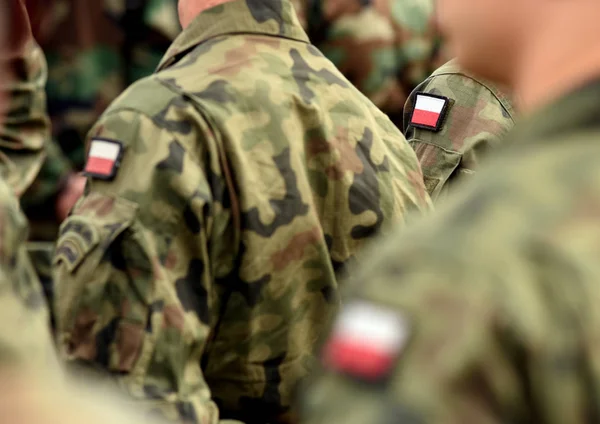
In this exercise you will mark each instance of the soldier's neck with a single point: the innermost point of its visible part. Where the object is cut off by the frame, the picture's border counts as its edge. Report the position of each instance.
(189, 9)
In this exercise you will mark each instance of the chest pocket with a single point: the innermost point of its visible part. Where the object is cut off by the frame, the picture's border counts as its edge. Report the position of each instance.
(438, 164)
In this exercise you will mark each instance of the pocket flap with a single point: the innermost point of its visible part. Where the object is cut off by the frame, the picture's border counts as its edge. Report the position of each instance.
(97, 220)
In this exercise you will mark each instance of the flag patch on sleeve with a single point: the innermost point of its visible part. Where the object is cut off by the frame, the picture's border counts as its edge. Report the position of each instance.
(429, 111)
(104, 159)
(366, 341)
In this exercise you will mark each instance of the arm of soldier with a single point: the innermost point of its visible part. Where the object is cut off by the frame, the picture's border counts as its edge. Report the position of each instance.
(132, 263)
(26, 126)
(452, 121)
(25, 335)
(415, 344)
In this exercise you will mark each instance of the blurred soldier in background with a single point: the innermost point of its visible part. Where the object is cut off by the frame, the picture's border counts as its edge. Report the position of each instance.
(26, 129)
(95, 49)
(384, 47)
(25, 133)
(32, 386)
(452, 120)
(487, 311)
(24, 321)
(225, 192)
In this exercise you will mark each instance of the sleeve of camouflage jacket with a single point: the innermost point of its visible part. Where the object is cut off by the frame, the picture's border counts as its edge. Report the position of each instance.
(126, 257)
(489, 333)
(25, 333)
(451, 369)
(26, 126)
(478, 116)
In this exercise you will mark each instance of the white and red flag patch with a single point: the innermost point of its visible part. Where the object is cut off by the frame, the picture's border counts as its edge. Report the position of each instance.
(103, 159)
(366, 341)
(429, 111)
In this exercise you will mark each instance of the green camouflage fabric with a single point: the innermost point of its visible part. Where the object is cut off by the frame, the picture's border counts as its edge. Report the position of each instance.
(25, 333)
(498, 291)
(252, 172)
(478, 117)
(384, 47)
(26, 129)
(95, 49)
(32, 389)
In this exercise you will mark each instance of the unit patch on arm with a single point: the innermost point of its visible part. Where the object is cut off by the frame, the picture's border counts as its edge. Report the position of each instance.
(104, 159)
(429, 112)
(366, 341)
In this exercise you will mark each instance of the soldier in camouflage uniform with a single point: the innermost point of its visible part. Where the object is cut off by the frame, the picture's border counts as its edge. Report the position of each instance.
(24, 336)
(25, 133)
(33, 390)
(26, 129)
(385, 48)
(487, 312)
(32, 386)
(475, 115)
(225, 192)
(95, 49)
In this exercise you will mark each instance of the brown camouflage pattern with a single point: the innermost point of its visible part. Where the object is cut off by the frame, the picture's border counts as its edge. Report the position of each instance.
(24, 335)
(85, 42)
(253, 171)
(478, 117)
(94, 49)
(32, 389)
(26, 128)
(384, 47)
(500, 287)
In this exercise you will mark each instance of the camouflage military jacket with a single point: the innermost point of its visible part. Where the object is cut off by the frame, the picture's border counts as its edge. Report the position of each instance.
(25, 128)
(25, 332)
(474, 115)
(487, 312)
(250, 172)
(385, 48)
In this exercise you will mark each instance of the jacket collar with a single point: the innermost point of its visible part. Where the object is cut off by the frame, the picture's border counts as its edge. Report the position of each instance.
(264, 17)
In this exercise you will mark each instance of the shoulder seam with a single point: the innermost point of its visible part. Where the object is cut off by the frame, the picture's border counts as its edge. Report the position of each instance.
(110, 111)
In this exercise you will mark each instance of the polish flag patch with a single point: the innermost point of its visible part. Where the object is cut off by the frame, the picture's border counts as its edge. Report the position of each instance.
(104, 159)
(366, 341)
(429, 111)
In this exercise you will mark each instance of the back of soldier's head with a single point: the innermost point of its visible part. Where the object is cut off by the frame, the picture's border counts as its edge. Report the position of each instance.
(189, 9)
(497, 38)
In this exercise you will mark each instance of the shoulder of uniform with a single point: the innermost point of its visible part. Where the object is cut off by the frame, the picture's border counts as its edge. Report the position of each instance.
(149, 96)
(150, 118)
(461, 85)
(453, 98)
(450, 67)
